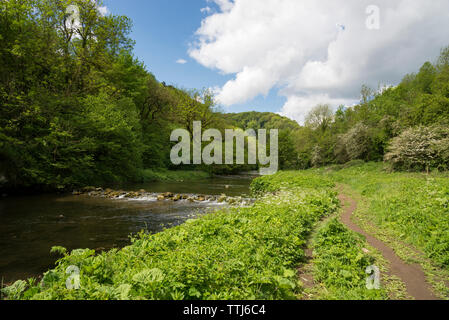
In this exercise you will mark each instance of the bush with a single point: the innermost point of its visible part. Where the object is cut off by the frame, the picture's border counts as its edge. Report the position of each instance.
(354, 145)
(317, 158)
(419, 149)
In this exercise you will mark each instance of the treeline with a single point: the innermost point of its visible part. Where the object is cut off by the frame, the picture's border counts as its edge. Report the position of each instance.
(407, 125)
(76, 107)
(288, 155)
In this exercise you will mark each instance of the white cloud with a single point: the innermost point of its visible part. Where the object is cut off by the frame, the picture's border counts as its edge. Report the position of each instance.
(206, 10)
(181, 61)
(316, 51)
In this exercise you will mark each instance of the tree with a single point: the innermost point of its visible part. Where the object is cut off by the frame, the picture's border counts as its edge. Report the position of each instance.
(195, 105)
(67, 113)
(355, 144)
(288, 156)
(443, 59)
(419, 148)
(366, 93)
(320, 117)
(317, 158)
(425, 77)
(159, 99)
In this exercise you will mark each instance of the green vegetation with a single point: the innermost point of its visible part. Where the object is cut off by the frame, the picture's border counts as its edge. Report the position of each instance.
(258, 120)
(77, 108)
(339, 264)
(419, 149)
(411, 207)
(409, 211)
(252, 253)
(241, 253)
(384, 120)
(150, 175)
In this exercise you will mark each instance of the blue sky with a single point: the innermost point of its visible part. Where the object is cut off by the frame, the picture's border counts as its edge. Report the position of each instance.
(295, 52)
(163, 31)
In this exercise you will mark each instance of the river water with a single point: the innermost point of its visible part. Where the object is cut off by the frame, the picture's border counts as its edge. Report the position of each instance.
(30, 226)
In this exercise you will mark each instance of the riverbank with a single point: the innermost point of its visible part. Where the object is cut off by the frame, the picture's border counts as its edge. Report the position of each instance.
(32, 225)
(408, 212)
(291, 244)
(144, 176)
(235, 253)
(154, 175)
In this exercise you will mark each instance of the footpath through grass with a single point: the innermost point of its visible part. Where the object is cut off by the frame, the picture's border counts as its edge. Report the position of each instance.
(409, 211)
(340, 257)
(412, 207)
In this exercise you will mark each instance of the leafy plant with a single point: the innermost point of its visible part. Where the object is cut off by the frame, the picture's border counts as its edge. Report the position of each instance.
(239, 253)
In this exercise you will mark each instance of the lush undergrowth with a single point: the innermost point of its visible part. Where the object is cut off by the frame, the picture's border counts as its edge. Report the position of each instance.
(287, 180)
(150, 175)
(240, 253)
(412, 207)
(340, 263)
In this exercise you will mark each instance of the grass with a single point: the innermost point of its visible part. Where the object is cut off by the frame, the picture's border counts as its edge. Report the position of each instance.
(408, 211)
(339, 264)
(412, 207)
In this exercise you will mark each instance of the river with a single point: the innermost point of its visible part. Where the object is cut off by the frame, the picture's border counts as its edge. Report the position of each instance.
(31, 225)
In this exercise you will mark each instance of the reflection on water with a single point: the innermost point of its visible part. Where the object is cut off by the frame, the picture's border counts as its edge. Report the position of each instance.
(30, 226)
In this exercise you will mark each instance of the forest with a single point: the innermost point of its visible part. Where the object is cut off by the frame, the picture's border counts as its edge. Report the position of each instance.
(78, 108)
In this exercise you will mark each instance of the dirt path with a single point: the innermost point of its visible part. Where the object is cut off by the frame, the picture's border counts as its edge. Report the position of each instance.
(411, 274)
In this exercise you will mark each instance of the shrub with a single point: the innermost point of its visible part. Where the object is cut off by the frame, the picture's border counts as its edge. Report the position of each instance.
(317, 156)
(420, 148)
(354, 145)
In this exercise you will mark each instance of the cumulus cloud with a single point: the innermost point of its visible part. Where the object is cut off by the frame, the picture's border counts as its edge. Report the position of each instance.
(316, 51)
(181, 61)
